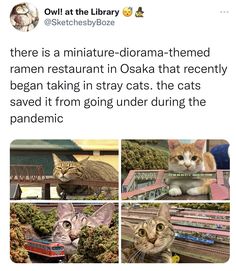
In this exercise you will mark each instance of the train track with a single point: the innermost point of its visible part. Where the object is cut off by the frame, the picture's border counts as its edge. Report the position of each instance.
(173, 214)
(211, 228)
(216, 248)
(208, 231)
(195, 252)
(224, 216)
(183, 197)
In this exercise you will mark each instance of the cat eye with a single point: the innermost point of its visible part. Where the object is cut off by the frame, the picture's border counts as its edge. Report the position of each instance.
(180, 157)
(160, 227)
(66, 225)
(59, 168)
(194, 158)
(141, 232)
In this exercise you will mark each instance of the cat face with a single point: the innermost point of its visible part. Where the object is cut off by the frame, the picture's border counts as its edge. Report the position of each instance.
(67, 228)
(66, 171)
(186, 157)
(154, 235)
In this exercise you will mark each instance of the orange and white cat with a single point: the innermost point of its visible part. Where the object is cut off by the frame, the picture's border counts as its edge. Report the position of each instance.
(189, 158)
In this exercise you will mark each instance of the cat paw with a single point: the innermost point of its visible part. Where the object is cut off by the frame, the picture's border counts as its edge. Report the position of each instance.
(175, 191)
(194, 191)
(63, 195)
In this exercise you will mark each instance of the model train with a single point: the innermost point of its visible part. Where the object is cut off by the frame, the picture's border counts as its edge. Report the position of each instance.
(45, 248)
(191, 238)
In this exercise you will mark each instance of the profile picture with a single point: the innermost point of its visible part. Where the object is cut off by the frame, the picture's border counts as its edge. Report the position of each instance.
(24, 17)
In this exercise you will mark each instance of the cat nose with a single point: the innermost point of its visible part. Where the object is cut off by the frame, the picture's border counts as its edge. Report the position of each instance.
(63, 172)
(187, 165)
(73, 237)
(152, 240)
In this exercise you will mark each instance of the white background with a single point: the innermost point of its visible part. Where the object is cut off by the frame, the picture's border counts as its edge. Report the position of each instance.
(181, 24)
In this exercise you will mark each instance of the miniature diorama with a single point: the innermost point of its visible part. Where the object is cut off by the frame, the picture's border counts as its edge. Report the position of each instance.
(64, 233)
(64, 169)
(175, 233)
(175, 170)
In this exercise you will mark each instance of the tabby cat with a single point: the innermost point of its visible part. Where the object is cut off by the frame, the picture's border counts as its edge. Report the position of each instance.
(66, 230)
(85, 169)
(189, 158)
(152, 237)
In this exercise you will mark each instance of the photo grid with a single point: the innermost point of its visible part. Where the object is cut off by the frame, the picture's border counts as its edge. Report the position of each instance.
(119, 201)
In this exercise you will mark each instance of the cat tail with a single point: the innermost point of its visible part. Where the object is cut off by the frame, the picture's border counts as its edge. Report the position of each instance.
(209, 161)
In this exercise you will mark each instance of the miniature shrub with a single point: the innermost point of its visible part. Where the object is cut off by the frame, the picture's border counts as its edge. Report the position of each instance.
(18, 253)
(136, 156)
(30, 214)
(97, 245)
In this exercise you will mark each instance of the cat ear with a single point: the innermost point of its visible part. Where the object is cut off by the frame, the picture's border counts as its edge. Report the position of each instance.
(104, 214)
(84, 161)
(199, 144)
(64, 209)
(164, 211)
(56, 159)
(172, 143)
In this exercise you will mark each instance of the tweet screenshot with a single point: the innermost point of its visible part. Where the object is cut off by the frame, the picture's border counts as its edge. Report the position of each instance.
(117, 134)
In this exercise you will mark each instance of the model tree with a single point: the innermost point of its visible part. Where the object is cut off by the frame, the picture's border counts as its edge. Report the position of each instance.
(98, 245)
(18, 253)
(136, 156)
(30, 214)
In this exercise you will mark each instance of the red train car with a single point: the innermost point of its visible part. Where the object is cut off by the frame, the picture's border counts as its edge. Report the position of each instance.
(45, 248)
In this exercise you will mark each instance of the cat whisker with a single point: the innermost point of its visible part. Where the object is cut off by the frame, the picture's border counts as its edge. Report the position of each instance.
(142, 256)
(134, 256)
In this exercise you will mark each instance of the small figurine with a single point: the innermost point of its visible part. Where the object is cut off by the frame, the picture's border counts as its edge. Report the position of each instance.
(139, 12)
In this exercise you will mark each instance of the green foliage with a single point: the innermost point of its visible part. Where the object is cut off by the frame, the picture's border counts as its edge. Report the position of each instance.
(31, 214)
(115, 220)
(88, 210)
(148, 205)
(18, 253)
(97, 245)
(148, 141)
(23, 211)
(136, 156)
(202, 206)
(206, 206)
(101, 196)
